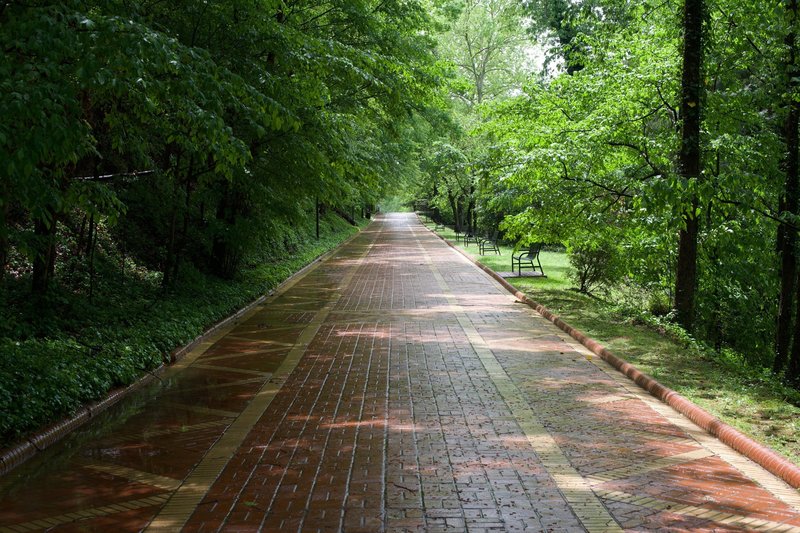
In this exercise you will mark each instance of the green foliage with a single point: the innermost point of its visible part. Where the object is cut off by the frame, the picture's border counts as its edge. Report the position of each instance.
(237, 114)
(596, 263)
(152, 150)
(54, 377)
(596, 146)
(62, 352)
(485, 43)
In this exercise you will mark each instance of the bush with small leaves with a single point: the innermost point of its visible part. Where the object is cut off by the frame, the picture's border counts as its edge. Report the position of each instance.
(596, 264)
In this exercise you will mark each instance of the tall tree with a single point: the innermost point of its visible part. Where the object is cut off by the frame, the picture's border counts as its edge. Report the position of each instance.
(788, 202)
(562, 24)
(787, 233)
(486, 42)
(690, 159)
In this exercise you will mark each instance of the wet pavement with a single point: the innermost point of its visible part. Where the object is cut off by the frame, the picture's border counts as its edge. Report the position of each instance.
(394, 387)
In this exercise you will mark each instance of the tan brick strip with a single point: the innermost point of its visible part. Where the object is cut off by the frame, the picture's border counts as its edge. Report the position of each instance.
(657, 464)
(575, 489)
(139, 476)
(182, 503)
(85, 514)
(719, 517)
(235, 370)
(151, 433)
(202, 410)
(225, 357)
(769, 459)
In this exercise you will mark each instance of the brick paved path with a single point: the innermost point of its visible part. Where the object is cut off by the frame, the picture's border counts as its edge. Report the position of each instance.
(396, 387)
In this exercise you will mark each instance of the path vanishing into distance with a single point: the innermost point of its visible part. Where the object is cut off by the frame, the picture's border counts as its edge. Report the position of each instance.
(393, 387)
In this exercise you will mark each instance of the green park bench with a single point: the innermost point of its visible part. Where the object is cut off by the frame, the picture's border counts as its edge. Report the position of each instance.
(528, 258)
(489, 244)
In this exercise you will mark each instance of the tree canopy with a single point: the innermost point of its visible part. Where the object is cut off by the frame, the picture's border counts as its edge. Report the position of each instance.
(199, 134)
(203, 124)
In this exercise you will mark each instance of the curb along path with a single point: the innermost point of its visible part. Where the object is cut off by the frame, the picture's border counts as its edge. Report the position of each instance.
(762, 455)
(395, 387)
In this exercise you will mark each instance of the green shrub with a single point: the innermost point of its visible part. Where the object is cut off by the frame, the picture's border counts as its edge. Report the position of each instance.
(595, 264)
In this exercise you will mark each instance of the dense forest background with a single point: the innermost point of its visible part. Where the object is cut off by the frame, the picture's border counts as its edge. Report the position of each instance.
(156, 157)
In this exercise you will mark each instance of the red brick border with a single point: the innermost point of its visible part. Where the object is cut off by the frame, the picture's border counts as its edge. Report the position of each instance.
(758, 453)
(12, 457)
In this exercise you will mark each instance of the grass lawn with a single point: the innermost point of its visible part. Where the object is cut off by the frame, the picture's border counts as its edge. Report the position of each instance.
(748, 399)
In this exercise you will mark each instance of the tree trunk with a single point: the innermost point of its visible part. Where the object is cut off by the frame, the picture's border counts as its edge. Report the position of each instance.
(220, 248)
(686, 273)
(225, 254)
(454, 206)
(168, 281)
(182, 239)
(322, 209)
(44, 260)
(690, 158)
(787, 235)
(89, 235)
(92, 244)
(793, 369)
(180, 246)
(468, 216)
(473, 215)
(81, 246)
(122, 256)
(3, 240)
